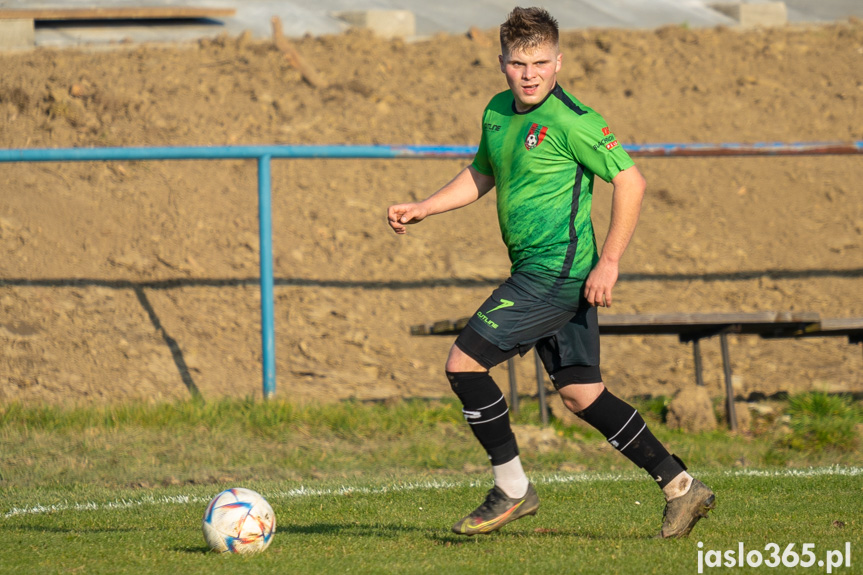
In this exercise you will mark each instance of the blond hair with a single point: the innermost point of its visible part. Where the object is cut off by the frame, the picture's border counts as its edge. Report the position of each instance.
(526, 29)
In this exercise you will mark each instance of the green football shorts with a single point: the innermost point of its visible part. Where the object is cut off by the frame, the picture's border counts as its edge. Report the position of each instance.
(513, 320)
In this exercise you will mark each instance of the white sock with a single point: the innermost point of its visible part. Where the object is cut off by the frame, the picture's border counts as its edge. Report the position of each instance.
(510, 478)
(678, 486)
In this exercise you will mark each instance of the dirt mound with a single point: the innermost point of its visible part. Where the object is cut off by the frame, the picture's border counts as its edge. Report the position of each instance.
(137, 280)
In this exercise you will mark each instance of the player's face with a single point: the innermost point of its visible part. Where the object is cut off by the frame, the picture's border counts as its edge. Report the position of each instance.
(531, 74)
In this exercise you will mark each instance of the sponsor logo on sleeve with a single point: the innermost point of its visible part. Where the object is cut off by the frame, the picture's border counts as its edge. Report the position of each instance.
(608, 141)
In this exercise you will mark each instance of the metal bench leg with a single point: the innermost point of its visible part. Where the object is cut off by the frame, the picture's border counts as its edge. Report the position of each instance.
(513, 386)
(540, 387)
(729, 390)
(696, 352)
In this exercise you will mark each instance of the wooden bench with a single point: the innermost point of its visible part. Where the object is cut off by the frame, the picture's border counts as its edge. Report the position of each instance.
(117, 13)
(689, 328)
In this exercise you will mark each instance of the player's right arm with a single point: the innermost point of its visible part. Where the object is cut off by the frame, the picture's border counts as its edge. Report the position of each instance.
(467, 187)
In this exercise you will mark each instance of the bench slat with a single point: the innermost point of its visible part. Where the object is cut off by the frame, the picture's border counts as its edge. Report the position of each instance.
(851, 324)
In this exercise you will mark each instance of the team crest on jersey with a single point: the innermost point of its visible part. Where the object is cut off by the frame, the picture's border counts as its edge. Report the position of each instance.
(535, 136)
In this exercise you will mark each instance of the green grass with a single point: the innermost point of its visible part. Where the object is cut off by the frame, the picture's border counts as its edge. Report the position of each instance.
(588, 525)
(819, 421)
(373, 488)
(199, 443)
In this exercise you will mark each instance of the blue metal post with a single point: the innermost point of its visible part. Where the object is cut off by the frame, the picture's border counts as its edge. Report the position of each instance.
(268, 329)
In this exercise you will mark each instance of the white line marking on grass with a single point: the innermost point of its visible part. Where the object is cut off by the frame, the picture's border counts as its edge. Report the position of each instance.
(437, 484)
(119, 504)
(807, 472)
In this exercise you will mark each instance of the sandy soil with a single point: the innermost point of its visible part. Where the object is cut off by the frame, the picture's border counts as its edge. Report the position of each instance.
(137, 280)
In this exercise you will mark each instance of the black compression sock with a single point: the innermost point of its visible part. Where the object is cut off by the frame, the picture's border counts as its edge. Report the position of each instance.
(626, 430)
(487, 412)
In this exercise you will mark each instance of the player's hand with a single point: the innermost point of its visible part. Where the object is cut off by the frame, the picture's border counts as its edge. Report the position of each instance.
(401, 215)
(600, 282)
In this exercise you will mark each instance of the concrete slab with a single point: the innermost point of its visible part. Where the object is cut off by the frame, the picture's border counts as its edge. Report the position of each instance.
(17, 33)
(384, 23)
(748, 15)
(819, 11)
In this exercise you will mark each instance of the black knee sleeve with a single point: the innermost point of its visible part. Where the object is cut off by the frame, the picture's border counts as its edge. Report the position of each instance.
(486, 411)
(626, 430)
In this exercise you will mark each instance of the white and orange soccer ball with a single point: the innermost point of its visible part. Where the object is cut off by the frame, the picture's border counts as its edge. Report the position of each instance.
(239, 520)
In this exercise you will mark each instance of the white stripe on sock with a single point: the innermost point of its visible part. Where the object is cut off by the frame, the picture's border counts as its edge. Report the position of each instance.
(624, 426)
(633, 439)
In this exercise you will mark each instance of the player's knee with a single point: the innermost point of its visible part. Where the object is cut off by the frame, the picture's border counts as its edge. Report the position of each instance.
(578, 385)
(571, 404)
(458, 362)
(578, 397)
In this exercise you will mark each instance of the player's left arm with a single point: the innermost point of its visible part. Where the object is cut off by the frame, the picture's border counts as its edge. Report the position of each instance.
(629, 186)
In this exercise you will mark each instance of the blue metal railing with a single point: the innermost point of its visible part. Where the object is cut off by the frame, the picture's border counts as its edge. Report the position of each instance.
(265, 154)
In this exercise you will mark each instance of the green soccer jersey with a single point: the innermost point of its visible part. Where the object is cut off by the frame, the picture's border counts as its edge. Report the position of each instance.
(543, 162)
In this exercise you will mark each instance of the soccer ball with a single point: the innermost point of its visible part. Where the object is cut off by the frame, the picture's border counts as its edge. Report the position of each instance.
(239, 520)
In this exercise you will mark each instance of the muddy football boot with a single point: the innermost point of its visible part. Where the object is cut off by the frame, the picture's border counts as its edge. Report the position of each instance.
(496, 511)
(682, 513)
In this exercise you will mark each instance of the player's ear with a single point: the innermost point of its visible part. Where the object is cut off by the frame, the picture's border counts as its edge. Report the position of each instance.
(502, 64)
(559, 63)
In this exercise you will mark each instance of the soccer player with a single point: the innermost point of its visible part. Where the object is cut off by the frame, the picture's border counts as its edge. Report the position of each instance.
(541, 148)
